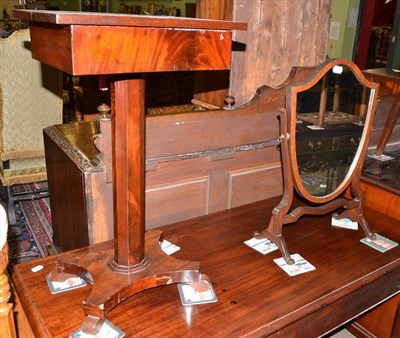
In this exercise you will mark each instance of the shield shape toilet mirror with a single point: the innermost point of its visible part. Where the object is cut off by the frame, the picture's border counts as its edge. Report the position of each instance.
(330, 123)
(325, 130)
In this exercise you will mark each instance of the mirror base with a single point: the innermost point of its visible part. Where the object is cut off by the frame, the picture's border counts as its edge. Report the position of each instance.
(353, 210)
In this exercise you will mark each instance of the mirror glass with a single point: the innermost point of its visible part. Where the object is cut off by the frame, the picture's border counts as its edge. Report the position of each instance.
(330, 122)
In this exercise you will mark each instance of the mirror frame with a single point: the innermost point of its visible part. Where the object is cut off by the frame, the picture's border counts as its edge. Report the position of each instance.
(292, 94)
(351, 201)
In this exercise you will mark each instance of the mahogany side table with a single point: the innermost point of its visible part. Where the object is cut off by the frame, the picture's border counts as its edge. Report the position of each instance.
(125, 46)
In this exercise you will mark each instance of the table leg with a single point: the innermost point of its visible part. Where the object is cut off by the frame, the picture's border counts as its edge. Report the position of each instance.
(128, 114)
(391, 121)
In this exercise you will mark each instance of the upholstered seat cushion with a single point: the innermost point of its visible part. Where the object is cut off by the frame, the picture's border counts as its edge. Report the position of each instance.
(30, 100)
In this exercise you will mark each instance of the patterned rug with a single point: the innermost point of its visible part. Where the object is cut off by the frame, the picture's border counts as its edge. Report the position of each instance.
(30, 237)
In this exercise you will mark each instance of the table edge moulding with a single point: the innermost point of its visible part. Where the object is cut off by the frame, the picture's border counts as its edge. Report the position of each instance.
(104, 44)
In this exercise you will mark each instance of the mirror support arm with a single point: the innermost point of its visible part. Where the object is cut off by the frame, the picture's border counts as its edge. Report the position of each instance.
(274, 230)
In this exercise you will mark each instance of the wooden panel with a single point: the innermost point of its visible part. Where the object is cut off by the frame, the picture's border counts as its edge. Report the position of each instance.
(83, 50)
(281, 34)
(378, 322)
(99, 208)
(213, 87)
(262, 167)
(211, 9)
(199, 131)
(67, 198)
(386, 86)
(381, 200)
(254, 184)
(179, 200)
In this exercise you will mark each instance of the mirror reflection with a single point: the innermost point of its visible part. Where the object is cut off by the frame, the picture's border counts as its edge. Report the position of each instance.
(330, 123)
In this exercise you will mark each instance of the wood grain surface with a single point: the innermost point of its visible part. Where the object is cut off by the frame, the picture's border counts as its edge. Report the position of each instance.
(255, 297)
(90, 43)
(112, 19)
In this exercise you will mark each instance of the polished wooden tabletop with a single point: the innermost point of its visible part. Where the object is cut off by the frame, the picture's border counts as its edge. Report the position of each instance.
(383, 72)
(128, 20)
(255, 297)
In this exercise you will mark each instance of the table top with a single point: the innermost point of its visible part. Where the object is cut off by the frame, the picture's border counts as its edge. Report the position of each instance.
(255, 297)
(130, 20)
(383, 72)
(98, 44)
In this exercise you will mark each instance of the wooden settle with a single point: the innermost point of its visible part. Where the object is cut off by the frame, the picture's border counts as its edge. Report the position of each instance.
(203, 162)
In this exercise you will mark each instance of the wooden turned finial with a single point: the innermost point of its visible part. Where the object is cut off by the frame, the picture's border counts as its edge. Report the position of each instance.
(104, 111)
(229, 102)
(103, 140)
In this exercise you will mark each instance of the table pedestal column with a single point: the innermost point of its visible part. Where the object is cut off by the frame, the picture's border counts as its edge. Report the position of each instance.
(134, 261)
